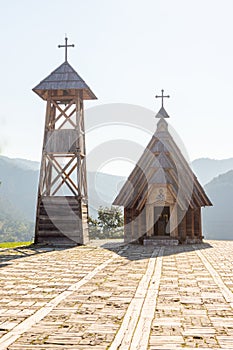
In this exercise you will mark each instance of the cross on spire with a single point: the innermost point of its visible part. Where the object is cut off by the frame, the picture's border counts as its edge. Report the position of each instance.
(162, 96)
(66, 46)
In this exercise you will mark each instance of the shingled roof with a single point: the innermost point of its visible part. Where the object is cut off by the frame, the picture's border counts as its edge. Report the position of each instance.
(64, 78)
(162, 163)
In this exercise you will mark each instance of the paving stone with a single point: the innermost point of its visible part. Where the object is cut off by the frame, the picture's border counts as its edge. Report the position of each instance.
(81, 298)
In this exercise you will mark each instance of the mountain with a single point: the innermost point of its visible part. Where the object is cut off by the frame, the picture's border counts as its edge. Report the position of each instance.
(218, 220)
(22, 163)
(102, 190)
(18, 187)
(19, 183)
(206, 169)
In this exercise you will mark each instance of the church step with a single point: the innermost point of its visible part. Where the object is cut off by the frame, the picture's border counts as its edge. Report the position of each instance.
(53, 233)
(57, 218)
(160, 242)
(62, 206)
(57, 241)
(67, 222)
(60, 199)
(59, 210)
(56, 238)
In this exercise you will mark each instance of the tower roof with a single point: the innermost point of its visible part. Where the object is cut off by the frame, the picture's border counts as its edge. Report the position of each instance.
(64, 78)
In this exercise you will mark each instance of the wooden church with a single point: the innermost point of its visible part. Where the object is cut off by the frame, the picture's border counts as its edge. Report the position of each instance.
(62, 205)
(162, 197)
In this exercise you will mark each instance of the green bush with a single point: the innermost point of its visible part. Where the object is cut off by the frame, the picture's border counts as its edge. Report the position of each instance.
(109, 224)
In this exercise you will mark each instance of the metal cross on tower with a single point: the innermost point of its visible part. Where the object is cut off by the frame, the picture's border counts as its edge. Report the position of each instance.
(162, 96)
(66, 46)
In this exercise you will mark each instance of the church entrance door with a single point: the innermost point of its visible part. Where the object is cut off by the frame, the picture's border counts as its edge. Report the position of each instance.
(161, 219)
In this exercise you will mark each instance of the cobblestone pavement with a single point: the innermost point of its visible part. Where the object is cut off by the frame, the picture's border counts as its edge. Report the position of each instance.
(115, 296)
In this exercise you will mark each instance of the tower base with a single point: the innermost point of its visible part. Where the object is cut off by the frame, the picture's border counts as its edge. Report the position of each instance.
(61, 221)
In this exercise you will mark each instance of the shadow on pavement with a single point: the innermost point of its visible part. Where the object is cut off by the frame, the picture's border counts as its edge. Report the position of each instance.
(9, 254)
(129, 251)
(134, 251)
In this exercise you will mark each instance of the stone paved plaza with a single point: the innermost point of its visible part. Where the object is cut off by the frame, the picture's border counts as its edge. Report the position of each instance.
(117, 297)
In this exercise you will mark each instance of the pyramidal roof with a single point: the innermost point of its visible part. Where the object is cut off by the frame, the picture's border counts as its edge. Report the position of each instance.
(64, 78)
(162, 113)
(162, 164)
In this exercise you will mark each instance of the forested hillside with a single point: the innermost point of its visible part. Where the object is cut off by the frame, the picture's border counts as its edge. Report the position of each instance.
(18, 195)
(218, 220)
(19, 183)
(17, 199)
(13, 225)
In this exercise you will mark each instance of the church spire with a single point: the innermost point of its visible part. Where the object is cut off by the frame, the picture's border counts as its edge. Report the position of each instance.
(162, 112)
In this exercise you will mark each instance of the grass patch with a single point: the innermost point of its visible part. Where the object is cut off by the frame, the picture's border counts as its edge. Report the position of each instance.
(14, 244)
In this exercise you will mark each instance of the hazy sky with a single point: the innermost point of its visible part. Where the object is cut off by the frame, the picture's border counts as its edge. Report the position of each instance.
(126, 51)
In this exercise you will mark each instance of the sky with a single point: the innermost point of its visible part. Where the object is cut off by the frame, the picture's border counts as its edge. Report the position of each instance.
(126, 51)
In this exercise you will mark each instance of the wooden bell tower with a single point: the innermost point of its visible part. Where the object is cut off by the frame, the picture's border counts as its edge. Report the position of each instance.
(62, 204)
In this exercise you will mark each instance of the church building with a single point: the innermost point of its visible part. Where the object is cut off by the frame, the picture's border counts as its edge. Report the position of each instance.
(162, 197)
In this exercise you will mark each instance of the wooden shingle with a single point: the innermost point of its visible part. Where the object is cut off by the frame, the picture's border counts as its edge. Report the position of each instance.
(64, 78)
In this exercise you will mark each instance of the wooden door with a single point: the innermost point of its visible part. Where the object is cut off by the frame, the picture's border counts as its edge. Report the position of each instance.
(161, 219)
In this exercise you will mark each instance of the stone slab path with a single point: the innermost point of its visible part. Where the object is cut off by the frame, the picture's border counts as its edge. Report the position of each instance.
(117, 297)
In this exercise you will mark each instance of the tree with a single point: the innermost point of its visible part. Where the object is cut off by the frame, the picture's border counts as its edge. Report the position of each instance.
(109, 223)
(94, 230)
